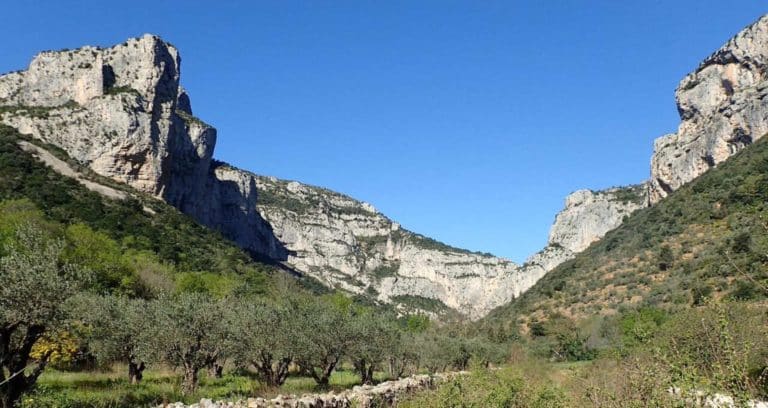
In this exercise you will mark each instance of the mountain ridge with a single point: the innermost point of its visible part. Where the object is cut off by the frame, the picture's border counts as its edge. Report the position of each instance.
(123, 113)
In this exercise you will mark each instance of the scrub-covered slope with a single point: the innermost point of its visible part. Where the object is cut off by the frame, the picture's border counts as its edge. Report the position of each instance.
(707, 239)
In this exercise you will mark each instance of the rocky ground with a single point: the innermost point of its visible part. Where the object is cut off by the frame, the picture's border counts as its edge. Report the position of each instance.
(362, 396)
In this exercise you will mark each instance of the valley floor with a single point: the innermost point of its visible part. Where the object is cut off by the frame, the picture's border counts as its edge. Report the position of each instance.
(110, 388)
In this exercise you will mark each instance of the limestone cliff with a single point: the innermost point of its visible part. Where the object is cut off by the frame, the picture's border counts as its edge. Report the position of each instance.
(122, 112)
(723, 108)
(588, 215)
(348, 244)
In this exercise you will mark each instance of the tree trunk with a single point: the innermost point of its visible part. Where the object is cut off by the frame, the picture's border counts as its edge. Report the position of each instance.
(272, 374)
(15, 361)
(281, 374)
(365, 370)
(322, 381)
(323, 378)
(11, 391)
(216, 370)
(189, 383)
(368, 376)
(136, 371)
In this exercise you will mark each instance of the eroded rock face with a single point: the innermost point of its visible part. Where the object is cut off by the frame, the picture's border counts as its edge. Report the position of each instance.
(347, 244)
(723, 108)
(114, 109)
(589, 215)
(122, 111)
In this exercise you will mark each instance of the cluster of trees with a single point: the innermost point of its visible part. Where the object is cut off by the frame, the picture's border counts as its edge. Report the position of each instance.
(53, 287)
(154, 287)
(311, 336)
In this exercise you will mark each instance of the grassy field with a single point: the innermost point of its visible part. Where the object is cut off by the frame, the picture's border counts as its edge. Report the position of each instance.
(110, 388)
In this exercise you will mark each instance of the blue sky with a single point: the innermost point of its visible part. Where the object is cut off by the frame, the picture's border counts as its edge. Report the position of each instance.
(466, 121)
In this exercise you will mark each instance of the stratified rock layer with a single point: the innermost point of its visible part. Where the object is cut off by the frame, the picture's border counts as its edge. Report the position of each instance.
(346, 243)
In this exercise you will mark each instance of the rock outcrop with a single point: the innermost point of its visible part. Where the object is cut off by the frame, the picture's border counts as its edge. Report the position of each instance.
(122, 112)
(723, 108)
(589, 215)
(347, 244)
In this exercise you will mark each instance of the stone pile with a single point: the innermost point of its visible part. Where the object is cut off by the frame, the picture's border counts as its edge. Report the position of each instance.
(385, 394)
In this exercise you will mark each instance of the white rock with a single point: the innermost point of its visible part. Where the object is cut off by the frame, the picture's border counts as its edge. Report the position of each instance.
(723, 108)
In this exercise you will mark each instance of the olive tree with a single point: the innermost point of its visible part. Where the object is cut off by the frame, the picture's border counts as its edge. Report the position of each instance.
(403, 355)
(372, 337)
(323, 338)
(34, 287)
(192, 333)
(119, 330)
(438, 351)
(485, 352)
(264, 336)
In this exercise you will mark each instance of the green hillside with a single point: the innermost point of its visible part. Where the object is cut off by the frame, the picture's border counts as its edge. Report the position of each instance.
(709, 239)
(674, 298)
(132, 244)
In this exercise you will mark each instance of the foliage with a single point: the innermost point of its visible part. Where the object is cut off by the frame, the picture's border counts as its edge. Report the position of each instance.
(61, 348)
(491, 388)
(177, 242)
(635, 194)
(263, 337)
(415, 304)
(324, 336)
(432, 244)
(719, 347)
(377, 336)
(34, 287)
(117, 329)
(191, 332)
(562, 340)
(708, 239)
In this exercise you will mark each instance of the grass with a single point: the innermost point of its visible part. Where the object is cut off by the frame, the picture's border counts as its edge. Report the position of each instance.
(110, 388)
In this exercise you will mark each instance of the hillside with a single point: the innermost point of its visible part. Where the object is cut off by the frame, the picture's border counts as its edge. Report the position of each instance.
(122, 113)
(155, 246)
(709, 239)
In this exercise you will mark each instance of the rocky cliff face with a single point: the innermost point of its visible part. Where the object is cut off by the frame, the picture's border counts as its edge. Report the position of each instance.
(723, 108)
(122, 112)
(346, 243)
(589, 215)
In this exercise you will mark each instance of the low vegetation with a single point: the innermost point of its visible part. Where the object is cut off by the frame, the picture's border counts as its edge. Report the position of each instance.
(104, 304)
(90, 283)
(708, 240)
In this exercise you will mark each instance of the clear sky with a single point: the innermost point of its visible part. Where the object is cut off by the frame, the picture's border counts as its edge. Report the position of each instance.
(468, 121)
